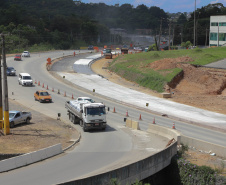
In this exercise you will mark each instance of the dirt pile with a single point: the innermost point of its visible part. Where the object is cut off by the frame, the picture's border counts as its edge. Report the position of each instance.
(169, 63)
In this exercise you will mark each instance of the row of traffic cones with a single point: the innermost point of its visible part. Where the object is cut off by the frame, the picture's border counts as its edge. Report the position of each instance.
(47, 88)
(127, 115)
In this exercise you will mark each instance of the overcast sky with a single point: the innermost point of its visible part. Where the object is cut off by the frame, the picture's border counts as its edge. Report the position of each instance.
(172, 6)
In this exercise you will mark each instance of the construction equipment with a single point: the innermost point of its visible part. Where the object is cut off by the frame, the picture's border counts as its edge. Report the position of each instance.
(108, 54)
(124, 49)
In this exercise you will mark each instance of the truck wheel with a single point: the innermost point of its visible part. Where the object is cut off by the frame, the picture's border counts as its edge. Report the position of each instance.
(76, 120)
(11, 124)
(69, 116)
(28, 120)
(81, 123)
(84, 128)
(72, 118)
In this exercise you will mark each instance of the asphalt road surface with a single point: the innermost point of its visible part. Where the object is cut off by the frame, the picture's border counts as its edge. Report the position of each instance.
(97, 151)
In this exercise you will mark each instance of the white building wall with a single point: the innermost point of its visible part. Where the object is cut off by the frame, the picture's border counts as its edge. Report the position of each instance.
(217, 29)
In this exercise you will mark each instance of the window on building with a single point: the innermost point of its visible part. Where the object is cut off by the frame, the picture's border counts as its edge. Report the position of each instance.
(213, 36)
(214, 23)
(222, 23)
(222, 36)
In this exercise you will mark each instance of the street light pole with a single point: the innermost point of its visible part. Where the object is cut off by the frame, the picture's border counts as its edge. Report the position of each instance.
(194, 24)
(5, 90)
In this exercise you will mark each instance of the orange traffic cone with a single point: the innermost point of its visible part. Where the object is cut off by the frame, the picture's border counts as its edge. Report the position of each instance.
(43, 85)
(127, 115)
(72, 97)
(154, 121)
(47, 87)
(65, 94)
(114, 110)
(38, 83)
(140, 117)
(173, 127)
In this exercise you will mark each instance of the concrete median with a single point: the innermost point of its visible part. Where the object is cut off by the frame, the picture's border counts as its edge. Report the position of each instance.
(132, 124)
(29, 158)
(165, 132)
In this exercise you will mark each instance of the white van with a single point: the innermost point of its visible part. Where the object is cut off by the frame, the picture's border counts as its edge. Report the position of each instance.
(25, 79)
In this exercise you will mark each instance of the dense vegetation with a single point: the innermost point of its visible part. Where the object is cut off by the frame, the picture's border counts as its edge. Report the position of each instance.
(134, 67)
(65, 24)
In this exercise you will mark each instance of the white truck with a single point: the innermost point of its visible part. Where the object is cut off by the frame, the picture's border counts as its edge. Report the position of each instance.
(17, 117)
(88, 115)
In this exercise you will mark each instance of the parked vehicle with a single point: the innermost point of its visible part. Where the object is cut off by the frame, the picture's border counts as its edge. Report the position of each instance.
(25, 79)
(17, 117)
(42, 96)
(88, 115)
(90, 47)
(25, 54)
(17, 57)
(10, 71)
(85, 99)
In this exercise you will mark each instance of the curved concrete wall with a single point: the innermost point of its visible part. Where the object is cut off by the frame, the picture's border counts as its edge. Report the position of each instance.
(131, 173)
(29, 158)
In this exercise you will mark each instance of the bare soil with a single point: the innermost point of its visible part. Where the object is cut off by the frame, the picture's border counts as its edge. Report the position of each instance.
(42, 132)
(200, 87)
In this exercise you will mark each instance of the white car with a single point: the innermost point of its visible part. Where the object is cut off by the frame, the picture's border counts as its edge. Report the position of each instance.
(25, 54)
(85, 98)
(25, 79)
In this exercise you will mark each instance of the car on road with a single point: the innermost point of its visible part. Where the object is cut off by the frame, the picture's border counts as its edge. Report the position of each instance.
(90, 47)
(17, 117)
(85, 99)
(17, 57)
(25, 54)
(42, 96)
(10, 71)
(25, 79)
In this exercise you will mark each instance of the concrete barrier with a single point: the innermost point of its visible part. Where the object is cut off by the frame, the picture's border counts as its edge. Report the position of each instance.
(165, 132)
(205, 146)
(131, 173)
(132, 124)
(29, 158)
(166, 95)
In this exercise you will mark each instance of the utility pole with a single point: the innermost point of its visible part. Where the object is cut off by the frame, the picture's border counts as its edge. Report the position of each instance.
(218, 35)
(5, 90)
(206, 37)
(194, 24)
(173, 34)
(1, 109)
(169, 34)
(160, 33)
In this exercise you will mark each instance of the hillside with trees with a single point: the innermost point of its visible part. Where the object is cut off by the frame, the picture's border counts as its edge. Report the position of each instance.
(64, 24)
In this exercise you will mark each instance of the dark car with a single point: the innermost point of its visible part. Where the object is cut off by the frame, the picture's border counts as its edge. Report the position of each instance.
(90, 47)
(17, 57)
(10, 71)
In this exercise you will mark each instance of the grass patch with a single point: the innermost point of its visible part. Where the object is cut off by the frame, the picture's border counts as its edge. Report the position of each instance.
(134, 67)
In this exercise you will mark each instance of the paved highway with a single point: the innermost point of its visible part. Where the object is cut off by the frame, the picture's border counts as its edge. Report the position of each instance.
(97, 149)
(200, 118)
